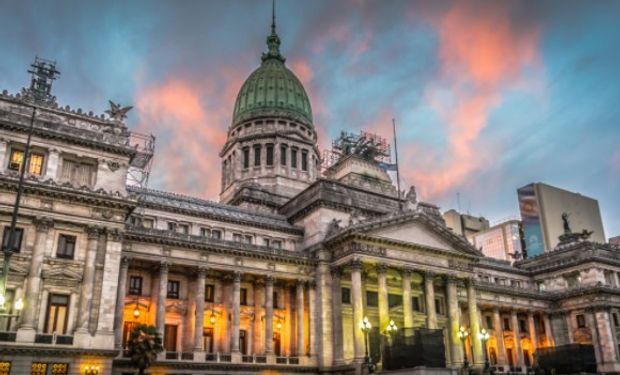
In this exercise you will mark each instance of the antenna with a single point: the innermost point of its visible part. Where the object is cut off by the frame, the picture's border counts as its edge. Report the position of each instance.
(400, 203)
(273, 16)
(43, 74)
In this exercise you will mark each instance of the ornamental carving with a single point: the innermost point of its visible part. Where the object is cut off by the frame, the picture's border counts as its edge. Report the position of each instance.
(460, 266)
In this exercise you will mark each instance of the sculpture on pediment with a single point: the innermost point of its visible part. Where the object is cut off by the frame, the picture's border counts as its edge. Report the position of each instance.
(333, 227)
(411, 198)
(117, 112)
(566, 223)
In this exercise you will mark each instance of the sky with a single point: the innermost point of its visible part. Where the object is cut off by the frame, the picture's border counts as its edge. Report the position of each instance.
(488, 96)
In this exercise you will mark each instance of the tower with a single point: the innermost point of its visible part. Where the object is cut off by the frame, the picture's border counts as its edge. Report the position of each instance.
(270, 153)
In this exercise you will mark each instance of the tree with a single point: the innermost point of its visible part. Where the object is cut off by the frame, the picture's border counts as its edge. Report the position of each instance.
(143, 346)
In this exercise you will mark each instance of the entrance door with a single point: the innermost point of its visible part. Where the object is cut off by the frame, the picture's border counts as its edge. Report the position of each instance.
(526, 358)
(511, 361)
(242, 341)
(127, 328)
(207, 340)
(170, 338)
(276, 343)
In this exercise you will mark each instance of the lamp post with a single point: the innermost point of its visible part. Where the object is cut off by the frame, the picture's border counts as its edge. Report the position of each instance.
(463, 333)
(484, 336)
(365, 326)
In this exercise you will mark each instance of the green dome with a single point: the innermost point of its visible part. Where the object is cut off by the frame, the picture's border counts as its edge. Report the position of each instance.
(272, 90)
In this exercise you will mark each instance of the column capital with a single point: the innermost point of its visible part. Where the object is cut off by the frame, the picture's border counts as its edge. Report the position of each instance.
(382, 268)
(201, 272)
(335, 271)
(451, 279)
(125, 262)
(406, 271)
(43, 224)
(428, 274)
(163, 268)
(301, 283)
(93, 232)
(269, 280)
(356, 264)
(114, 234)
(237, 276)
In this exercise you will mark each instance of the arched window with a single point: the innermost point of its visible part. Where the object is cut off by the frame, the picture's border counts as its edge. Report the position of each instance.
(257, 149)
(269, 156)
(283, 154)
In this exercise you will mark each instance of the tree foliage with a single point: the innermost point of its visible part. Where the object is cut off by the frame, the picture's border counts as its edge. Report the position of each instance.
(144, 345)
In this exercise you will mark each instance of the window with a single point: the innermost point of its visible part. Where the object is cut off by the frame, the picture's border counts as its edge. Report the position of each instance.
(541, 286)
(257, 149)
(36, 164)
(275, 300)
(183, 228)
(581, 321)
(5, 367)
(522, 326)
(135, 285)
(38, 368)
(269, 156)
(243, 296)
(506, 324)
(489, 322)
(439, 306)
(34, 167)
(395, 300)
(60, 369)
(416, 304)
(216, 234)
(147, 223)
(283, 155)
(304, 160)
(246, 157)
(77, 172)
(66, 246)
(19, 233)
(248, 238)
(209, 293)
(173, 289)
(294, 157)
(172, 226)
(57, 313)
(346, 295)
(237, 237)
(205, 232)
(615, 317)
(266, 242)
(276, 244)
(372, 299)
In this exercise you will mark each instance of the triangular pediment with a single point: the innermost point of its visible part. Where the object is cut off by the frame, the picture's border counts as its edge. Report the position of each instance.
(415, 233)
(61, 273)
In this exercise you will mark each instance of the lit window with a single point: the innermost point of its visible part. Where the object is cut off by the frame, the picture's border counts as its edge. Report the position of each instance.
(147, 223)
(66, 246)
(57, 313)
(36, 162)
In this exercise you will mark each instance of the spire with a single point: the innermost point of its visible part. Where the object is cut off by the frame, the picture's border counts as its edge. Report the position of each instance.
(273, 41)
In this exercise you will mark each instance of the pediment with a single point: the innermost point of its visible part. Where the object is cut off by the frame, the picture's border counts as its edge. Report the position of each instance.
(414, 233)
(61, 273)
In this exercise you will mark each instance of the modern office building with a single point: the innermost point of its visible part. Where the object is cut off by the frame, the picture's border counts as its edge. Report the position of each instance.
(501, 241)
(464, 224)
(542, 207)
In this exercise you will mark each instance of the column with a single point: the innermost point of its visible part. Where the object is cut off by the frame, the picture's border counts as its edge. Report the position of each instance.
(514, 322)
(160, 319)
(89, 277)
(429, 295)
(499, 337)
(606, 338)
(109, 282)
(200, 309)
(358, 311)
(591, 324)
(548, 330)
(234, 345)
(29, 317)
(474, 324)
(569, 327)
(337, 316)
(324, 321)
(301, 347)
(312, 318)
(531, 327)
(257, 331)
(384, 308)
(456, 347)
(120, 303)
(407, 309)
(269, 315)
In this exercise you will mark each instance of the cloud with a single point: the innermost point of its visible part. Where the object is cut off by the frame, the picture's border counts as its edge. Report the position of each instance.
(482, 54)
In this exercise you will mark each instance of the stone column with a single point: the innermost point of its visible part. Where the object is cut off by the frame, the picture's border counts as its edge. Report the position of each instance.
(324, 321)
(120, 303)
(109, 283)
(269, 315)
(161, 298)
(236, 311)
(456, 347)
(499, 337)
(591, 324)
(569, 327)
(29, 318)
(89, 277)
(606, 339)
(531, 327)
(548, 330)
(257, 330)
(429, 295)
(200, 309)
(299, 307)
(312, 318)
(474, 324)
(52, 164)
(384, 308)
(358, 311)
(407, 309)
(514, 322)
(337, 316)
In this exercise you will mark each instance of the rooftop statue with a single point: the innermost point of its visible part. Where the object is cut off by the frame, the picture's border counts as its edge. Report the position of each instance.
(566, 223)
(117, 112)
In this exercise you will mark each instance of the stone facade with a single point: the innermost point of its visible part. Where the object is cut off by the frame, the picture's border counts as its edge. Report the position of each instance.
(279, 284)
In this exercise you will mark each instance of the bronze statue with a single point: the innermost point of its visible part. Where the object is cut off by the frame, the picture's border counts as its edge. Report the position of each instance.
(566, 223)
(117, 112)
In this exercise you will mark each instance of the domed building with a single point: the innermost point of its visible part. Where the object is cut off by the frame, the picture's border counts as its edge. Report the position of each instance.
(271, 152)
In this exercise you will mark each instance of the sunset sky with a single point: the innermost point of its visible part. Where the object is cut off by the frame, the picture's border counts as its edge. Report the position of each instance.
(488, 95)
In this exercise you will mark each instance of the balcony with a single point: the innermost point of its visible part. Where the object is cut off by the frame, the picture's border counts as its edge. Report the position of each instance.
(53, 339)
(7, 336)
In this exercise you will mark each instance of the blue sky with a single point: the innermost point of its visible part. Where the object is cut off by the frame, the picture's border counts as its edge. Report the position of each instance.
(488, 96)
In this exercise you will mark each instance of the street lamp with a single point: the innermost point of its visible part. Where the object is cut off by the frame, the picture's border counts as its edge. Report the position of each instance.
(463, 333)
(365, 326)
(391, 328)
(484, 336)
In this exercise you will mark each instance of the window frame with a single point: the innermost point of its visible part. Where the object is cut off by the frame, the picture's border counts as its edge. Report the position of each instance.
(22, 149)
(132, 289)
(304, 160)
(172, 291)
(61, 251)
(294, 151)
(283, 151)
(269, 153)
(257, 155)
(246, 157)
(345, 296)
(580, 319)
(5, 238)
(209, 292)
(67, 305)
(243, 296)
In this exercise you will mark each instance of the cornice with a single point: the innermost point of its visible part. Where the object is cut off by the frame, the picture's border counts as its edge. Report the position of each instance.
(54, 351)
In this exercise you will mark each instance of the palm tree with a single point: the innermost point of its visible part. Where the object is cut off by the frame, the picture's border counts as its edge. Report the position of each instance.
(143, 346)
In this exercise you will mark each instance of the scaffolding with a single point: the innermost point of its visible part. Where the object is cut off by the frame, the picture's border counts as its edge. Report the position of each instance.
(140, 165)
(369, 146)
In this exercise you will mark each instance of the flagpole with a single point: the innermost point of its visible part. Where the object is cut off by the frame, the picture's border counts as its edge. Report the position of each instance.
(400, 203)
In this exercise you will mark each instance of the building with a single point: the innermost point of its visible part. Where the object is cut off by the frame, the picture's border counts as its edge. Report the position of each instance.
(542, 207)
(281, 274)
(464, 224)
(501, 241)
(615, 241)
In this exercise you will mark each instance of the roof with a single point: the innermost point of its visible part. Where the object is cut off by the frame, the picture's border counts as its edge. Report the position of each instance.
(217, 211)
